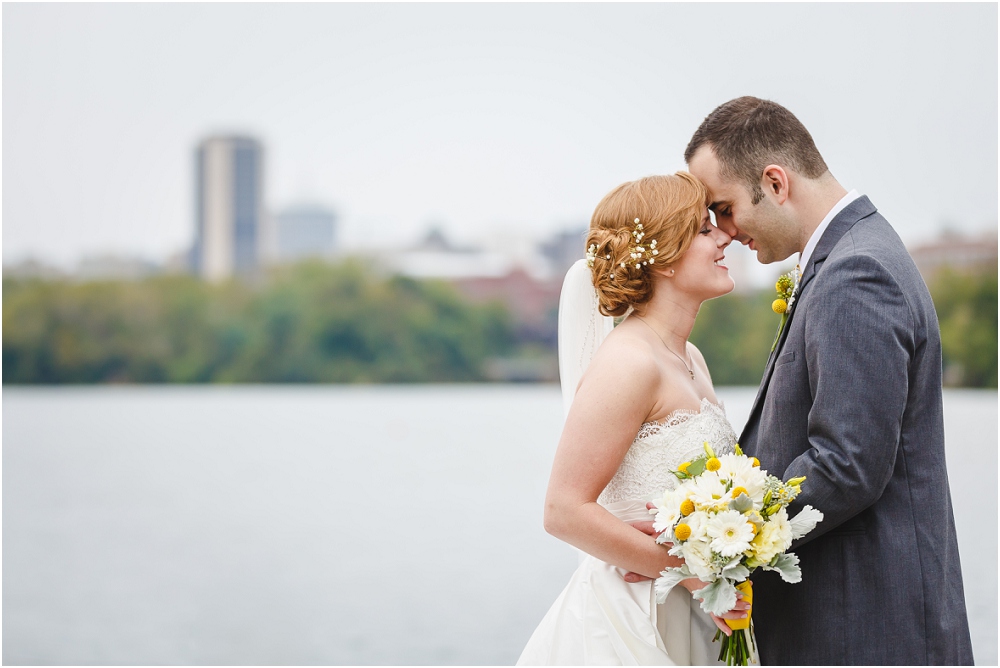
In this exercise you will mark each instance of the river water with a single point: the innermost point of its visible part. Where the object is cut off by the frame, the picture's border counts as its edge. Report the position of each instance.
(324, 525)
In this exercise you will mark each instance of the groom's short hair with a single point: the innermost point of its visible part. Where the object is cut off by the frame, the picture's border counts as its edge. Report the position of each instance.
(748, 134)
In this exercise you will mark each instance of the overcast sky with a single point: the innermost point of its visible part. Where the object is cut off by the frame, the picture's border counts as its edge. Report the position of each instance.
(486, 119)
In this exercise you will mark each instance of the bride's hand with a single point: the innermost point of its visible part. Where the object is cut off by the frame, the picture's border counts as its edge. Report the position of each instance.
(739, 611)
(647, 528)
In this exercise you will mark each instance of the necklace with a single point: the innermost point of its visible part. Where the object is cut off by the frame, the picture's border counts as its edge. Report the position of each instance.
(686, 365)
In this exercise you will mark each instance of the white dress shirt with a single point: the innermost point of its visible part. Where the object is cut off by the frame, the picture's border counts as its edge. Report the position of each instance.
(818, 232)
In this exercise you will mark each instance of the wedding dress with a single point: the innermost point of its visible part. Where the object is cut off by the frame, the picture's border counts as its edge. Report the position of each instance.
(599, 618)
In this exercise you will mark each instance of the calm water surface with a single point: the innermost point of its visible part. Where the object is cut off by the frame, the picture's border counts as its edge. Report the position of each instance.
(323, 525)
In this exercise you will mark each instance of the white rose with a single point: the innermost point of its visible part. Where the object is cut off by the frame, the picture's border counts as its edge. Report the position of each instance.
(698, 557)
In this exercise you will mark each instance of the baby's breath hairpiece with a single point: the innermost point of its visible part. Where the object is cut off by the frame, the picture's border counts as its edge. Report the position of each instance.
(592, 256)
(639, 253)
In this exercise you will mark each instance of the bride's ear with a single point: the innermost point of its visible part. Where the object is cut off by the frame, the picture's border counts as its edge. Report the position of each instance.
(665, 272)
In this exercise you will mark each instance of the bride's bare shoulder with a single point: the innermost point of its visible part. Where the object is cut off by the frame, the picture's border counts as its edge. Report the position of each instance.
(625, 354)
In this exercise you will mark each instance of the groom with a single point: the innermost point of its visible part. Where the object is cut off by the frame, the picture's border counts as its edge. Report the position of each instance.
(850, 399)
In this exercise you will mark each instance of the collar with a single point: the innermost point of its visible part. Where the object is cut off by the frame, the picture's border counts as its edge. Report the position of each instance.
(818, 232)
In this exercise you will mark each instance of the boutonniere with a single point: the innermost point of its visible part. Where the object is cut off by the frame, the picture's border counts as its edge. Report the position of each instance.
(786, 286)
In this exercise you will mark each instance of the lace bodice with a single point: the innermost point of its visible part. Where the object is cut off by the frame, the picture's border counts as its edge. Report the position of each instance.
(660, 447)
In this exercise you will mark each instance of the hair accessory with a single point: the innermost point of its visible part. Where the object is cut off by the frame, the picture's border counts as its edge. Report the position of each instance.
(638, 253)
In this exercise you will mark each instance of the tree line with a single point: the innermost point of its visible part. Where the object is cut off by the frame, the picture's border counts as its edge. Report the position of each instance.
(311, 322)
(348, 323)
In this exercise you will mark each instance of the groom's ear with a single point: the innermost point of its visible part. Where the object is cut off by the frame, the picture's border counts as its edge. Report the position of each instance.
(774, 181)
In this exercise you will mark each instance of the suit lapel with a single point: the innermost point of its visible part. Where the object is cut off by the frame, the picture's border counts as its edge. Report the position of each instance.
(857, 210)
(838, 227)
(762, 390)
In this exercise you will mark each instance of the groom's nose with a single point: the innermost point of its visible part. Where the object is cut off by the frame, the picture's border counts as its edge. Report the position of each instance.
(725, 223)
(723, 238)
(734, 233)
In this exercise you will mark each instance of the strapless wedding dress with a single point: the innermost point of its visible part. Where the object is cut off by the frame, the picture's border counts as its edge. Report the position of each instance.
(599, 619)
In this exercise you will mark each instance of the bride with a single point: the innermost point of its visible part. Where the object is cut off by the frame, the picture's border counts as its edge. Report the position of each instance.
(643, 405)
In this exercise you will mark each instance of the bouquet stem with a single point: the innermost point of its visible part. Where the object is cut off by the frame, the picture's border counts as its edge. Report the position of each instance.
(736, 647)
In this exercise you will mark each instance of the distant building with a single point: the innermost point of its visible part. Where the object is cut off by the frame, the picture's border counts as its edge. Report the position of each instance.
(564, 249)
(436, 257)
(961, 254)
(32, 268)
(534, 303)
(229, 220)
(115, 267)
(305, 230)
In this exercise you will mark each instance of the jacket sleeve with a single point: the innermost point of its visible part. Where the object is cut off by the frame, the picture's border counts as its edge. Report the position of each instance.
(859, 344)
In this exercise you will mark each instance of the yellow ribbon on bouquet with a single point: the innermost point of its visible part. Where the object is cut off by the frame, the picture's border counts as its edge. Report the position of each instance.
(747, 591)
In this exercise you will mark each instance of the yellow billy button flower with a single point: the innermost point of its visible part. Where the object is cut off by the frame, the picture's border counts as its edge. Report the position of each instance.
(755, 462)
(687, 507)
(682, 532)
(683, 468)
(740, 490)
(779, 306)
(713, 464)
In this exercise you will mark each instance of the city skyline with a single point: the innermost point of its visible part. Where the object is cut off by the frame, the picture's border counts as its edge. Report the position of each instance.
(230, 232)
(488, 121)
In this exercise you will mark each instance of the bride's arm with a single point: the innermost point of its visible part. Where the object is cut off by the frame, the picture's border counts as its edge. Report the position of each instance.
(614, 398)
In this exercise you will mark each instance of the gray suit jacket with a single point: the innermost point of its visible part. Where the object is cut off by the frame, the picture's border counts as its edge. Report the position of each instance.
(851, 399)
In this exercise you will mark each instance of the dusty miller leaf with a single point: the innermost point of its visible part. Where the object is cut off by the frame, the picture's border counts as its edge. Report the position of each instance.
(717, 598)
(787, 565)
(668, 580)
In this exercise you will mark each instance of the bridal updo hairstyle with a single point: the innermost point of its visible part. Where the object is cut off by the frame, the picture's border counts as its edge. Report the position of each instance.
(670, 209)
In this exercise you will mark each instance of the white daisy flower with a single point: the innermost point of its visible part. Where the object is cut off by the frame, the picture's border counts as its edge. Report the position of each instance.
(741, 472)
(668, 510)
(730, 533)
(709, 492)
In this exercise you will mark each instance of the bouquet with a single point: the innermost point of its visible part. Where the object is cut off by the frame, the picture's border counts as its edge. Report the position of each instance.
(727, 518)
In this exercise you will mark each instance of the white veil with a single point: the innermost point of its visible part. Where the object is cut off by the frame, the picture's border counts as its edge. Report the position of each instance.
(582, 328)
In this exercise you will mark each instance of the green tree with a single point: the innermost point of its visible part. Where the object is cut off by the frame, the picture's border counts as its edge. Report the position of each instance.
(734, 333)
(966, 305)
(311, 322)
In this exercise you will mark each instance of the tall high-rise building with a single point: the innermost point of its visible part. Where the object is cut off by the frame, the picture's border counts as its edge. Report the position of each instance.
(229, 186)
